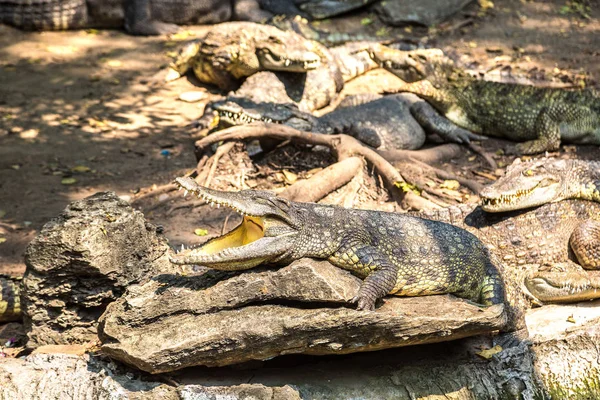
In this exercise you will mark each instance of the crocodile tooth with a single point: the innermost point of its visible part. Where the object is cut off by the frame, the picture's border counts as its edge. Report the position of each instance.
(185, 192)
(287, 63)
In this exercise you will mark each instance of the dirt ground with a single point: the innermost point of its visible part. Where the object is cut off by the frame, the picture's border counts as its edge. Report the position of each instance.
(77, 115)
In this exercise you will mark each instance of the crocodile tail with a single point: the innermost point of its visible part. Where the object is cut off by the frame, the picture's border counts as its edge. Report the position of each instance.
(44, 14)
(10, 303)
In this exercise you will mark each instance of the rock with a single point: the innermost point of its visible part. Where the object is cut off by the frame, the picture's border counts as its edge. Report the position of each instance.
(423, 12)
(173, 322)
(62, 376)
(240, 392)
(83, 260)
(565, 344)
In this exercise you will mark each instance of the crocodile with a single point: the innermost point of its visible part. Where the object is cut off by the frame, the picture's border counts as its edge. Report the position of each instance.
(539, 117)
(234, 50)
(393, 253)
(550, 180)
(140, 17)
(533, 243)
(540, 181)
(384, 122)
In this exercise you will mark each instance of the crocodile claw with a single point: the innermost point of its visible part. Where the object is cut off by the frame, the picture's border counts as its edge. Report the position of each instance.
(364, 303)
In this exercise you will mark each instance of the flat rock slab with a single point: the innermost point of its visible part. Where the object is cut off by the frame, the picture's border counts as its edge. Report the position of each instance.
(175, 322)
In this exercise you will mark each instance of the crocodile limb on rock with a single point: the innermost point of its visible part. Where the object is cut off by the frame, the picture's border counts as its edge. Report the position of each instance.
(541, 118)
(235, 50)
(393, 253)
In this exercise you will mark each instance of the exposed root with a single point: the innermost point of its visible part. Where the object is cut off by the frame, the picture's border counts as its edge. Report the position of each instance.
(431, 155)
(343, 146)
(169, 187)
(324, 182)
(221, 151)
(483, 154)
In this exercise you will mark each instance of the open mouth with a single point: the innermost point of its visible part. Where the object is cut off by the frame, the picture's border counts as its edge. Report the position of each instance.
(250, 230)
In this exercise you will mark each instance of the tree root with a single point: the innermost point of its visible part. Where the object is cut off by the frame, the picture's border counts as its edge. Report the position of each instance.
(343, 146)
(324, 182)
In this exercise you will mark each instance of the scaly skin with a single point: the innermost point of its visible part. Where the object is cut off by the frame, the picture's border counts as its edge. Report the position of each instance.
(539, 117)
(536, 182)
(140, 17)
(390, 122)
(10, 302)
(394, 253)
(234, 50)
(529, 241)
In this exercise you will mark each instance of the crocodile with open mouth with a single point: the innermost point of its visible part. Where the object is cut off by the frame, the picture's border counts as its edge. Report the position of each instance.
(394, 253)
(139, 17)
(539, 117)
(234, 50)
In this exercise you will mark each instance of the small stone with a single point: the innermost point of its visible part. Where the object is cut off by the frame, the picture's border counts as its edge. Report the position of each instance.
(192, 97)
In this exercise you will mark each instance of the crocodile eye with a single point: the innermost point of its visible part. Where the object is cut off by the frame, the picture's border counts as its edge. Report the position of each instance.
(274, 39)
(528, 172)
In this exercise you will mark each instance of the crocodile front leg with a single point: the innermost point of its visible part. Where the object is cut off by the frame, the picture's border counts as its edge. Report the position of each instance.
(381, 272)
(433, 122)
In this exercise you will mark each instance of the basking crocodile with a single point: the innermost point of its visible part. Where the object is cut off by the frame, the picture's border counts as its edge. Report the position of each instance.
(394, 253)
(536, 182)
(539, 117)
(141, 17)
(234, 50)
(384, 122)
(530, 241)
(546, 180)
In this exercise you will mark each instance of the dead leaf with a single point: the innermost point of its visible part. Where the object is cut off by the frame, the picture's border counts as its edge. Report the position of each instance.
(68, 181)
(488, 353)
(290, 177)
(407, 187)
(200, 232)
(571, 319)
(29, 134)
(450, 184)
(2, 239)
(81, 168)
(485, 4)
(2, 213)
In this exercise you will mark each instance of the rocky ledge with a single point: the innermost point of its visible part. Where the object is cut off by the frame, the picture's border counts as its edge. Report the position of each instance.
(216, 319)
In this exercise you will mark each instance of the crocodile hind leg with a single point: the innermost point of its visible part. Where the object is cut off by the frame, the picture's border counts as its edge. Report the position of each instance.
(548, 130)
(10, 304)
(585, 242)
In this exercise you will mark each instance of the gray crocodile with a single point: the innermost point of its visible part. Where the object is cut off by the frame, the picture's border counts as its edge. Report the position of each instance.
(393, 253)
(539, 117)
(140, 17)
(383, 122)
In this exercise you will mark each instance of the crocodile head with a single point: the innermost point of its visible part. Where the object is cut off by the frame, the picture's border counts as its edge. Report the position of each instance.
(241, 111)
(410, 66)
(265, 234)
(275, 54)
(529, 184)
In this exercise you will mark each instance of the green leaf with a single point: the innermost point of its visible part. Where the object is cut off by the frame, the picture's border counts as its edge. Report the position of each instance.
(200, 232)
(68, 181)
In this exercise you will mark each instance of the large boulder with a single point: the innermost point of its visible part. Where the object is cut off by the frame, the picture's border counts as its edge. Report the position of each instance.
(174, 322)
(83, 260)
